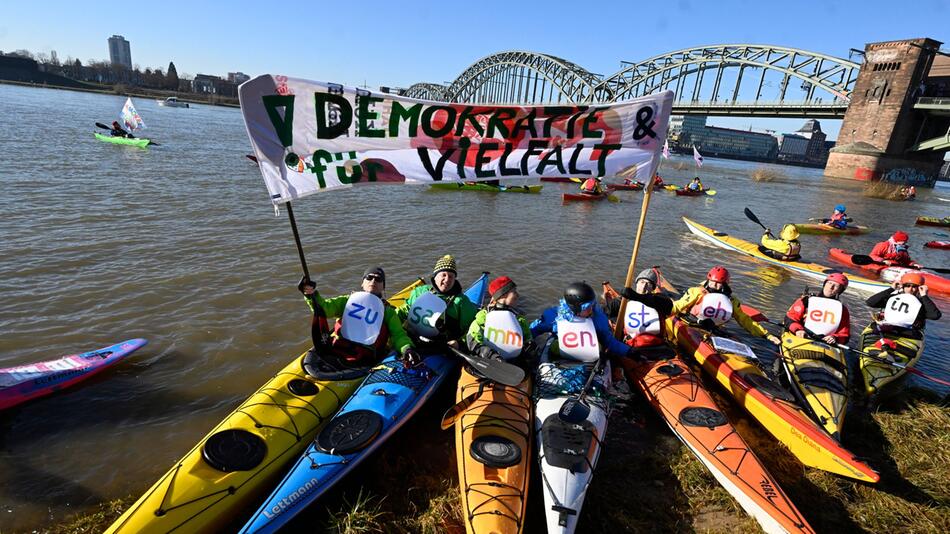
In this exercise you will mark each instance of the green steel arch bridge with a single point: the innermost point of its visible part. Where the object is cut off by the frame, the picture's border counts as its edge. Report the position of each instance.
(720, 80)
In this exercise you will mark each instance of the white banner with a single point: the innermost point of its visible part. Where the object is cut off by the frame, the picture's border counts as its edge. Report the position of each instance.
(313, 136)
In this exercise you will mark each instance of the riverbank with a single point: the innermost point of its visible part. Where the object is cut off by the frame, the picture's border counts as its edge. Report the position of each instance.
(648, 481)
(138, 92)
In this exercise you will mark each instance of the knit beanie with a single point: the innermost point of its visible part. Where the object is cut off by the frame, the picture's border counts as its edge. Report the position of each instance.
(500, 286)
(445, 263)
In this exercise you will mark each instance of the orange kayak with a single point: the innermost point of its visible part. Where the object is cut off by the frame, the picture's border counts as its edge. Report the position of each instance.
(493, 449)
(678, 396)
(770, 404)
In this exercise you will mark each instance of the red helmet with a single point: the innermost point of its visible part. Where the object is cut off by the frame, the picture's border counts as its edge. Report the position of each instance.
(900, 237)
(718, 274)
(912, 278)
(838, 278)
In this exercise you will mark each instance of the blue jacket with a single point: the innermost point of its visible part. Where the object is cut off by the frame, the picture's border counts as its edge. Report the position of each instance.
(605, 336)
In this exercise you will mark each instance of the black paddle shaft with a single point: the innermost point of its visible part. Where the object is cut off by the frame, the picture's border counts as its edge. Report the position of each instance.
(574, 409)
(753, 218)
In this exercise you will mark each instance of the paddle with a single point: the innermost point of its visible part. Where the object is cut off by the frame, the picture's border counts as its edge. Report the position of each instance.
(452, 414)
(861, 259)
(751, 216)
(574, 410)
(251, 157)
(628, 282)
(494, 370)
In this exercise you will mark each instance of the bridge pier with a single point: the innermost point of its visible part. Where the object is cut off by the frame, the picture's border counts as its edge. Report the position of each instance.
(881, 124)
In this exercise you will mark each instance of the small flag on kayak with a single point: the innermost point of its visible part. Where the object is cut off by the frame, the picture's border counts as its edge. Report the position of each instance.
(666, 149)
(697, 157)
(130, 117)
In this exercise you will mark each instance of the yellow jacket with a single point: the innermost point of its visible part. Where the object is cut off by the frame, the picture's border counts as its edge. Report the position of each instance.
(786, 244)
(694, 294)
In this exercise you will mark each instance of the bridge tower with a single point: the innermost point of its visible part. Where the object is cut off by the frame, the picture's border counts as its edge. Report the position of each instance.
(881, 123)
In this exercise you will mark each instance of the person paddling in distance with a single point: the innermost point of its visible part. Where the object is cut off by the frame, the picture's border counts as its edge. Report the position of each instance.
(583, 326)
(839, 219)
(696, 185)
(786, 247)
(894, 251)
(712, 304)
(592, 186)
(905, 305)
(822, 316)
(439, 312)
(366, 323)
(500, 331)
(119, 131)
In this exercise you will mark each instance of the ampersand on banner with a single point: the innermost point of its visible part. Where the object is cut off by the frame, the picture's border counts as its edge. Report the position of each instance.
(643, 129)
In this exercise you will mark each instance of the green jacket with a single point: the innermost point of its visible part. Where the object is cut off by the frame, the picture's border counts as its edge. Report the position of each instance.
(333, 307)
(476, 332)
(459, 311)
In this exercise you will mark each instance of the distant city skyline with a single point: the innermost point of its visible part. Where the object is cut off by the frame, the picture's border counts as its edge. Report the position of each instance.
(391, 45)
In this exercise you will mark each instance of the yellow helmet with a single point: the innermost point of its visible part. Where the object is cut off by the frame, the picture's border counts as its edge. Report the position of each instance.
(789, 232)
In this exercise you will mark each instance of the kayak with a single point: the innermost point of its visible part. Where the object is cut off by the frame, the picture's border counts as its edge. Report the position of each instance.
(690, 193)
(583, 197)
(678, 395)
(933, 221)
(811, 270)
(900, 345)
(818, 374)
(567, 452)
(935, 282)
(462, 186)
(937, 244)
(386, 399)
(135, 141)
(245, 455)
(493, 452)
(769, 403)
(635, 186)
(25, 382)
(827, 229)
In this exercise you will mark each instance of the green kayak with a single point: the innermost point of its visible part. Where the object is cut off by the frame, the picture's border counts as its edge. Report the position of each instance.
(141, 143)
(462, 186)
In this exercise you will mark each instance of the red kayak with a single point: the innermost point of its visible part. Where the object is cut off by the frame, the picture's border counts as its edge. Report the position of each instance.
(935, 282)
(938, 244)
(582, 197)
(689, 193)
(635, 186)
(559, 180)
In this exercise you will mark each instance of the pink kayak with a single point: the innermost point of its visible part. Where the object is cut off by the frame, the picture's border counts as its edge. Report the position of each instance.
(936, 283)
(25, 382)
(938, 244)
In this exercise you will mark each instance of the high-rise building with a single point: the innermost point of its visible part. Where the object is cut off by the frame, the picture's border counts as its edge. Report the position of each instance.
(119, 51)
(238, 77)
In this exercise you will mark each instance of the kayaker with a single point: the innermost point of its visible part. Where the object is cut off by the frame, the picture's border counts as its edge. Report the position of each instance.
(696, 185)
(908, 193)
(894, 251)
(438, 312)
(500, 330)
(583, 325)
(822, 316)
(358, 338)
(905, 304)
(839, 219)
(592, 186)
(657, 181)
(119, 131)
(786, 247)
(647, 310)
(712, 304)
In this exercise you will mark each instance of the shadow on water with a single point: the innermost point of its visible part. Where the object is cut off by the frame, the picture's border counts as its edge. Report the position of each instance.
(56, 490)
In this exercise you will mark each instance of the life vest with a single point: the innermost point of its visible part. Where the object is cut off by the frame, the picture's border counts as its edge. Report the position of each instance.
(361, 332)
(642, 324)
(577, 339)
(716, 307)
(426, 315)
(503, 333)
(902, 310)
(838, 220)
(822, 315)
(589, 186)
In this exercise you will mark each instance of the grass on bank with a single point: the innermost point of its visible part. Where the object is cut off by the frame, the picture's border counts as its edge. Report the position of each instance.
(648, 481)
(766, 174)
(884, 190)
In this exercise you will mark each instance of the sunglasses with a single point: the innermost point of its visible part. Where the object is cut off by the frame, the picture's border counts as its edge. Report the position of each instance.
(586, 306)
(373, 277)
(911, 285)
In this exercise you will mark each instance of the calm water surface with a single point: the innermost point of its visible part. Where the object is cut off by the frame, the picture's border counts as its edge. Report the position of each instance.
(179, 244)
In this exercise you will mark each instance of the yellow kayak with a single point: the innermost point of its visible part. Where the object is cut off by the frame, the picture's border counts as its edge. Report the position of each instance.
(232, 468)
(901, 346)
(493, 450)
(818, 374)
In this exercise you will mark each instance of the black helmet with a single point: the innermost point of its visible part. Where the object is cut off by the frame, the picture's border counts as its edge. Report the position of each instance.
(579, 297)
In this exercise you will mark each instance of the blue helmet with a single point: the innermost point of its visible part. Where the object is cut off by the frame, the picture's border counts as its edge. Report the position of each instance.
(840, 207)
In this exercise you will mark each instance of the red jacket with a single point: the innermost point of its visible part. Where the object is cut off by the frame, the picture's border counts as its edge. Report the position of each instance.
(795, 319)
(885, 252)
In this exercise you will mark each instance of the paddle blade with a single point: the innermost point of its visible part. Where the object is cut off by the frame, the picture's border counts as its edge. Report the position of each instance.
(455, 412)
(613, 198)
(711, 192)
(103, 126)
(861, 259)
(573, 411)
(494, 370)
(577, 180)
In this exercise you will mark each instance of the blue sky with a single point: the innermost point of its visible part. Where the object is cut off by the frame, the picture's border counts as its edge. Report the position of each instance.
(400, 43)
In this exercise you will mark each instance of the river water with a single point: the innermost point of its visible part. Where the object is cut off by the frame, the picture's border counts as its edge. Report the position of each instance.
(179, 244)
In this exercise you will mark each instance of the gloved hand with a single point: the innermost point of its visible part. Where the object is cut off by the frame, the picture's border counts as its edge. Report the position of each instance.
(768, 232)
(484, 351)
(411, 357)
(628, 293)
(304, 284)
(635, 355)
(707, 324)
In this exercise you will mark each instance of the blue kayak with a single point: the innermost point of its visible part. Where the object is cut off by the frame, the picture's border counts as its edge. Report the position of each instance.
(386, 399)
